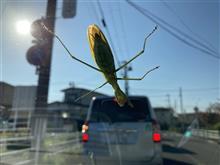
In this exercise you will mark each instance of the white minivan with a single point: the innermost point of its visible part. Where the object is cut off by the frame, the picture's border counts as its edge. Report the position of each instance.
(121, 135)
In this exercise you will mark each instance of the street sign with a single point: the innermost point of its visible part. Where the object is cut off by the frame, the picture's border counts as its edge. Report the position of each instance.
(35, 55)
(69, 8)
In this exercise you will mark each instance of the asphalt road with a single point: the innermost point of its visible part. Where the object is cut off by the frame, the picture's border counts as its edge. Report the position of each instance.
(194, 152)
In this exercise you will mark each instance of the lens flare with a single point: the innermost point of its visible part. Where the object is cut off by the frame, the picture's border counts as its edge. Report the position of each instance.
(23, 27)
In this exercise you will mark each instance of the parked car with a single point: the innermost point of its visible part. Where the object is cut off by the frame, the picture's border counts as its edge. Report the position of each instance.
(121, 135)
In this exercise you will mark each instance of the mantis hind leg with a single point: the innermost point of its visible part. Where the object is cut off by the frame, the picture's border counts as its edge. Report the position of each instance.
(139, 53)
(140, 78)
(90, 92)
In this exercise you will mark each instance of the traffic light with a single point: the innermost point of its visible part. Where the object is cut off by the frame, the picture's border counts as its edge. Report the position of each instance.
(37, 30)
(36, 54)
(69, 8)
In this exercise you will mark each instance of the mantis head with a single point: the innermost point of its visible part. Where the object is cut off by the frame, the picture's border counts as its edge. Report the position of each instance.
(95, 35)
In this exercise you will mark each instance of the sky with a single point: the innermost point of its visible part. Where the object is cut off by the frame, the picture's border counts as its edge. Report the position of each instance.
(195, 71)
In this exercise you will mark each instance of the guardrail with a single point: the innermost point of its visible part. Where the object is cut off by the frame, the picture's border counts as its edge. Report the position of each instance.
(207, 134)
(3, 140)
(22, 129)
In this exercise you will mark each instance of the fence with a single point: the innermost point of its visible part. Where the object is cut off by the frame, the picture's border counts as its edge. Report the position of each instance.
(53, 144)
(206, 134)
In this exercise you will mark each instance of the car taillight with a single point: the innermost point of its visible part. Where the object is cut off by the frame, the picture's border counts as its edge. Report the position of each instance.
(85, 136)
(156, 136)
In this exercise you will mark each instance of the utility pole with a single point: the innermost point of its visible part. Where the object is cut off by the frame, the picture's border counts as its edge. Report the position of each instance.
(40, 55)
(182, 109)
(168, 100)
(175, 108)
(175, 105)
(44, 70)
(196, 110)
(125, 75)
(39, 119)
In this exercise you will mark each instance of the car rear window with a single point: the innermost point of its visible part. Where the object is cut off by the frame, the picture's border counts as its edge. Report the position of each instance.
(109, 111)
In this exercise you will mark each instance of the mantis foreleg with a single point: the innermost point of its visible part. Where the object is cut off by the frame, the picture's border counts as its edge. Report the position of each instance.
(68, 50)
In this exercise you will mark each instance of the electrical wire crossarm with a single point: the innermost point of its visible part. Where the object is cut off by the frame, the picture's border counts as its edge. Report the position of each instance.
(58, 38)
(138, 54)
(141, 78)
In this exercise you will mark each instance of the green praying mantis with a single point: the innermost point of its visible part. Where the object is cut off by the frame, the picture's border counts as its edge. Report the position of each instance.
(103, 57)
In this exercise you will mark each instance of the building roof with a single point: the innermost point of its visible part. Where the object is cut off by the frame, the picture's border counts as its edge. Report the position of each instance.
(6, 84)
(81, 89)
(162, 109)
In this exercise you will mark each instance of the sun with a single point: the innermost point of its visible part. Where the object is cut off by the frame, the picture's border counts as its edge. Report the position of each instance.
(23, 27)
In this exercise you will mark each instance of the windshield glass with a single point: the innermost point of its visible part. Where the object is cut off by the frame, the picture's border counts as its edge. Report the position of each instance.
(63, 63)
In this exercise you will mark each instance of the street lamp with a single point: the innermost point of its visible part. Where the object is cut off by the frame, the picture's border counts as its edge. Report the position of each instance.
(65, 115)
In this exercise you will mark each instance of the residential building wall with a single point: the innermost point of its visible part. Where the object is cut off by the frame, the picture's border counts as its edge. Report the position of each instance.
(23, 103)
(6, 99)
(6, 94)
(165, 117)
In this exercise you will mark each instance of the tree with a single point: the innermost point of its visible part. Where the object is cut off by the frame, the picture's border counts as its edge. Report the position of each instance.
(214, 108)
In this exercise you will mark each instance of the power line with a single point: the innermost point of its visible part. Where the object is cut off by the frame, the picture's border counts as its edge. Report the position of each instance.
(118, 38)
(156, 96)
(159, 20)
(155, 91)
(95, 12)
(185, 25)
(179, 31)
(107, 30)
(123, 30)
(200, 89)
(176, 90)
(121, 36)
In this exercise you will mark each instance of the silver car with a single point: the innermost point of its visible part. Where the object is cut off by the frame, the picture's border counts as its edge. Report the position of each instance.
(121, 135)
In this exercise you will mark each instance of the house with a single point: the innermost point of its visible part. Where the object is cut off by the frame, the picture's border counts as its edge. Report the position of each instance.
(72, 93)
(69, 113)
(165, 117)
(6, 99)
(23, 105)
(19, 103)
(205, 119)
